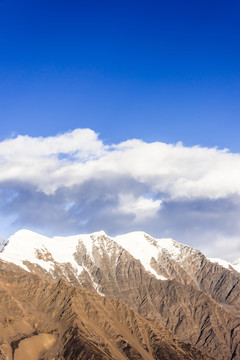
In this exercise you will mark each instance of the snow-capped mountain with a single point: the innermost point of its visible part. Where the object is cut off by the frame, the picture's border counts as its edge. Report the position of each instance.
(196, 298)
(81, 258)
(78, 257)
(26, 247)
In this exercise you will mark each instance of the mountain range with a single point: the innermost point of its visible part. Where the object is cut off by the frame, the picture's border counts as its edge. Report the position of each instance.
(92, 296)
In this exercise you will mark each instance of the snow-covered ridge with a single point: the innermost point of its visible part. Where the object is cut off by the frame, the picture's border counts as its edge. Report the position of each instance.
(46, 252)
(29, 246)
(221, 262)
(143, 247)
(227, 265)
(26, 245)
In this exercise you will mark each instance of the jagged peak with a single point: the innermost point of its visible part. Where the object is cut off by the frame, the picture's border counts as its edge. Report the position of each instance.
(139, 244)
(140, 241)
(26, 245)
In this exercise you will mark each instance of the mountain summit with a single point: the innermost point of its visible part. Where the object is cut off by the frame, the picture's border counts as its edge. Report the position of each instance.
(195, 299)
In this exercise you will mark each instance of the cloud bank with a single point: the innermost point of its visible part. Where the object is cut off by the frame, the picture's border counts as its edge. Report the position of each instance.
(74, 182)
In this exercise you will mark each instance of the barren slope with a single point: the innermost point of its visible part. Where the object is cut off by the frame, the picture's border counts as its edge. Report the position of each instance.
(41, 320)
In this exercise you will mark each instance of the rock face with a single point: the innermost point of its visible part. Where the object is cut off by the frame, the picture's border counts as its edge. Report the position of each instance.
(145, 286)
(54, 320)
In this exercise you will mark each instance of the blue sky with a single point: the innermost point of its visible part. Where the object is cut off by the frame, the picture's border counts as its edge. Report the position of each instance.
(154, 70)
(160, 71)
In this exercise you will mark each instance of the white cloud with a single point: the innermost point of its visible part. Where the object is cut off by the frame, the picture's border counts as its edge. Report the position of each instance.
(141, 207)
(75, 157)
(51, 162)
(81, 142)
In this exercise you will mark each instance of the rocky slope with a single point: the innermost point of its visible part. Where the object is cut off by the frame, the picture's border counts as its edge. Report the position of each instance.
(193, 297)
(42, 320)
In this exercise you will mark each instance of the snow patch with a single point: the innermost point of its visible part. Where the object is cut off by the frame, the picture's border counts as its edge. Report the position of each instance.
(143, 247)
(27, 245)
(221, 262)
(236, 264)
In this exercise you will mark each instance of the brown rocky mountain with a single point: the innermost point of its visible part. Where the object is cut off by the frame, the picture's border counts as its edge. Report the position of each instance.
(54, 320)
(171, 286)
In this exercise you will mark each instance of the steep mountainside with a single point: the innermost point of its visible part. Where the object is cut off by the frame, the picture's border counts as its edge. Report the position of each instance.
(42, 320)
(195, 298)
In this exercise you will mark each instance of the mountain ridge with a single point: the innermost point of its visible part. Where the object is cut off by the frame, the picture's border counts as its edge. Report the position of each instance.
(168, 244)
(195, 299)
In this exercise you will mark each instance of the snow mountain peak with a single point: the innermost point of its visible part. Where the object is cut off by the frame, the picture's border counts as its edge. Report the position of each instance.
(163, 258)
